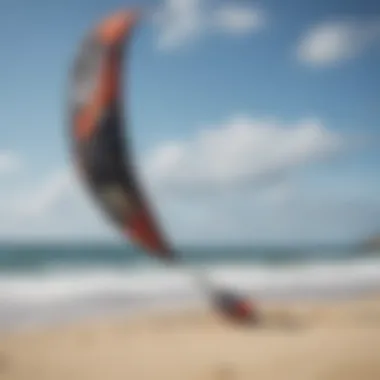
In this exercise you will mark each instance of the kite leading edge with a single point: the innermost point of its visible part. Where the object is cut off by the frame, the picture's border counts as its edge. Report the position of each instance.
(97, 133)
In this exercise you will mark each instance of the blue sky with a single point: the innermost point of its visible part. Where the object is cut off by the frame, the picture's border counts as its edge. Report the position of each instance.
(293, 88)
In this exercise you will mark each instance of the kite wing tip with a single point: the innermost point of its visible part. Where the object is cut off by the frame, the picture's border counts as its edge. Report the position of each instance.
(113, 29)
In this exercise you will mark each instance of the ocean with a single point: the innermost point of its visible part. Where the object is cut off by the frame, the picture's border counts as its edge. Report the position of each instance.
(50, 283)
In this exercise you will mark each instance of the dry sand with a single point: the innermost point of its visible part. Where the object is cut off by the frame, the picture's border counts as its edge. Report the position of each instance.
(297, 342)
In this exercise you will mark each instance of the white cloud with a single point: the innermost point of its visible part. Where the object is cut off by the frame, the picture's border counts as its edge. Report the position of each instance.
(44, 197)
(183, 21)
(179, 21)
(332, 41)
(241, 151)
(238, 19)
(9, 162)
(290, 212)
(57, 209)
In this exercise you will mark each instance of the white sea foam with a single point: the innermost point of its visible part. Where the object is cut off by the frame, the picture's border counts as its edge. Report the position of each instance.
(62, 292)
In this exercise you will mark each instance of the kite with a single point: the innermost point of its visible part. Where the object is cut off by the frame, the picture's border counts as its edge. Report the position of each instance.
(103, 159)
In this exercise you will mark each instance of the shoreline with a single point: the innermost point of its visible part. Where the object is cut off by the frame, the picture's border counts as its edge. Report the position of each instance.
(175, 306)
(296, 340)
(57, 295)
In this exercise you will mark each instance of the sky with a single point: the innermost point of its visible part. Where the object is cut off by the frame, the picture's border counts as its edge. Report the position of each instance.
(251, 122)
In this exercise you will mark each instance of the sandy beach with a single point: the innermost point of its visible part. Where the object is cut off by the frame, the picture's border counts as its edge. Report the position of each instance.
(299, 341)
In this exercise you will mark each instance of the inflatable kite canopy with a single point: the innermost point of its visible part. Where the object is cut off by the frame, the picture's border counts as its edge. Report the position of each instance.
(104, 162)
(97, 126)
